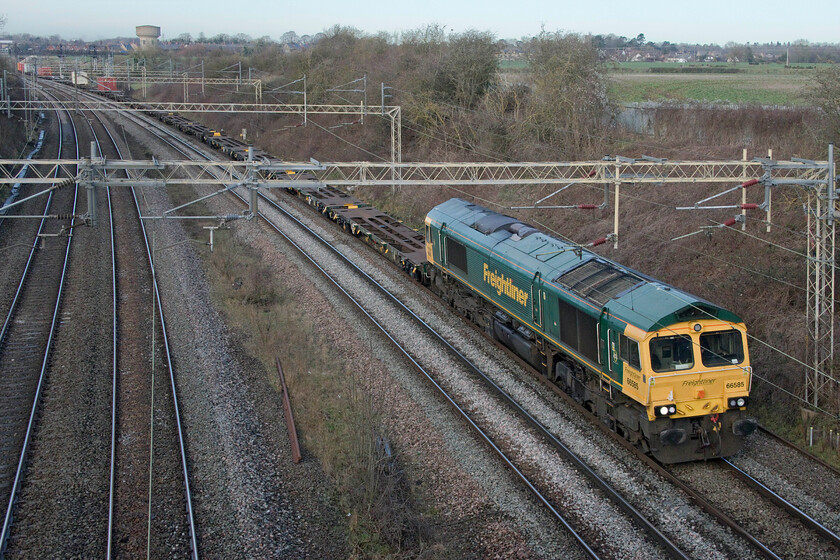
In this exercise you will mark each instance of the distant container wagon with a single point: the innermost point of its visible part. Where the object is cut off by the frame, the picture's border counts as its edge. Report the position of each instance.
(106, 84)
(79, 78)
(45, 71)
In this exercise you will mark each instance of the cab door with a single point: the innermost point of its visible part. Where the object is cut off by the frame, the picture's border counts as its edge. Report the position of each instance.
(537, 300)
(442, 245)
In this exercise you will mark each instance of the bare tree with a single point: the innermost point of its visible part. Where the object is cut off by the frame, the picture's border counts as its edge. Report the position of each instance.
(289, 37)
(469, 67)
(570, 103)
(826, 94)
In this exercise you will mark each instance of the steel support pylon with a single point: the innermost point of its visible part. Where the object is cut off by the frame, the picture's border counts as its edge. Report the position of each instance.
(821, 380)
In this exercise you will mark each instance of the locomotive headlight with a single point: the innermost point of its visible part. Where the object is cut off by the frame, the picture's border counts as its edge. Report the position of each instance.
(737, 402)
(666, 410)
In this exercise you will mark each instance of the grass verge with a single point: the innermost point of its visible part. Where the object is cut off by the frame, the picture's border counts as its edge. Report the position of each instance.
(337, 422)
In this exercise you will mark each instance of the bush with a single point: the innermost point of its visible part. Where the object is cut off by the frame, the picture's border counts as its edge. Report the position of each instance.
(826, 95)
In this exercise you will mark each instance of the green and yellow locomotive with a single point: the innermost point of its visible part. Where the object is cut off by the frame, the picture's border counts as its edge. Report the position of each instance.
(667, 370)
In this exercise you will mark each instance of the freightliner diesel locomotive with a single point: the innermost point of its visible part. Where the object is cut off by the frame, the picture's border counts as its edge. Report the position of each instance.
(668, 371)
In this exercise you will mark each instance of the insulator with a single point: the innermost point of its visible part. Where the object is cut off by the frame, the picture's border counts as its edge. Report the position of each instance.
(600, 241)
(587, 206)
(592, 173)
(749, 206)
(730, 222)
(749, 183)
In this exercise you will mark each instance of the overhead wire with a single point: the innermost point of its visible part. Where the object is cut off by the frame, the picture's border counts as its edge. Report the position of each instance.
(635, 197)
(467, 147)
(663, 205)
(347, 141)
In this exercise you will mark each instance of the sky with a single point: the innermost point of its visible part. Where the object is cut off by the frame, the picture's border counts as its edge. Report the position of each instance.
(705, 21)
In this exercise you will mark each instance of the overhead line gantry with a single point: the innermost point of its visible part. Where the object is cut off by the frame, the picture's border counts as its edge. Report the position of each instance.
(818, 178)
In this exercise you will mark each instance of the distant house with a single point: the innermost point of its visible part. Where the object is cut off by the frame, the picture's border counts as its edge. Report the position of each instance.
(6, 46)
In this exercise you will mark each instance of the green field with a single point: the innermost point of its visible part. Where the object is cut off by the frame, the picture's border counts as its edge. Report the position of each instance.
(765, 89)
(715, 82)
(741, 67)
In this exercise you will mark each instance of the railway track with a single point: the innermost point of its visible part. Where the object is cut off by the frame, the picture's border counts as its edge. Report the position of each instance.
(143, 403)
(752, 523)
(798, 450)
(528, 473)
(244, 492)
(27, 336)
(667, 547)
(74, 503)
(785, 530)
(827, 534)
(765, 550)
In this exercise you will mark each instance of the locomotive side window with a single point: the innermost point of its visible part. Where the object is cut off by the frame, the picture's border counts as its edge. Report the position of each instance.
(721, 348)
(428, 233)
(456, 254)
(670, 353)
(628, 350)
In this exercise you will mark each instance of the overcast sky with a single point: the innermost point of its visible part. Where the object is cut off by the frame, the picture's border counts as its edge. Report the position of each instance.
(704, 21)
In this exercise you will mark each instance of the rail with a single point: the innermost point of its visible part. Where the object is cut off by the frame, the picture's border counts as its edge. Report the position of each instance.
(9, 516)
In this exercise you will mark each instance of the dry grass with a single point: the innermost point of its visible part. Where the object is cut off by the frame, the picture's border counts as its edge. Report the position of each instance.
(337, 422)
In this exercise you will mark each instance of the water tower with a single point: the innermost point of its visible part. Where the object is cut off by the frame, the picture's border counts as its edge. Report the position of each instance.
(148, 35)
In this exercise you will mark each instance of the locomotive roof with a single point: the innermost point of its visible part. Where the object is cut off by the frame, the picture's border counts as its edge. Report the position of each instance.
(590, 281)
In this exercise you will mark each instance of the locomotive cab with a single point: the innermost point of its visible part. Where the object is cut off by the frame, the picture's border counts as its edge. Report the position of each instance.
(697, 387)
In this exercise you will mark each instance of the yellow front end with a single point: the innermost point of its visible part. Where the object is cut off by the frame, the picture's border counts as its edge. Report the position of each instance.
(694, 369)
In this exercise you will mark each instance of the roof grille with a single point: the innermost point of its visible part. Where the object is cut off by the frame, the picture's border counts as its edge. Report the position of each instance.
(598, 281)
(491, 222)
